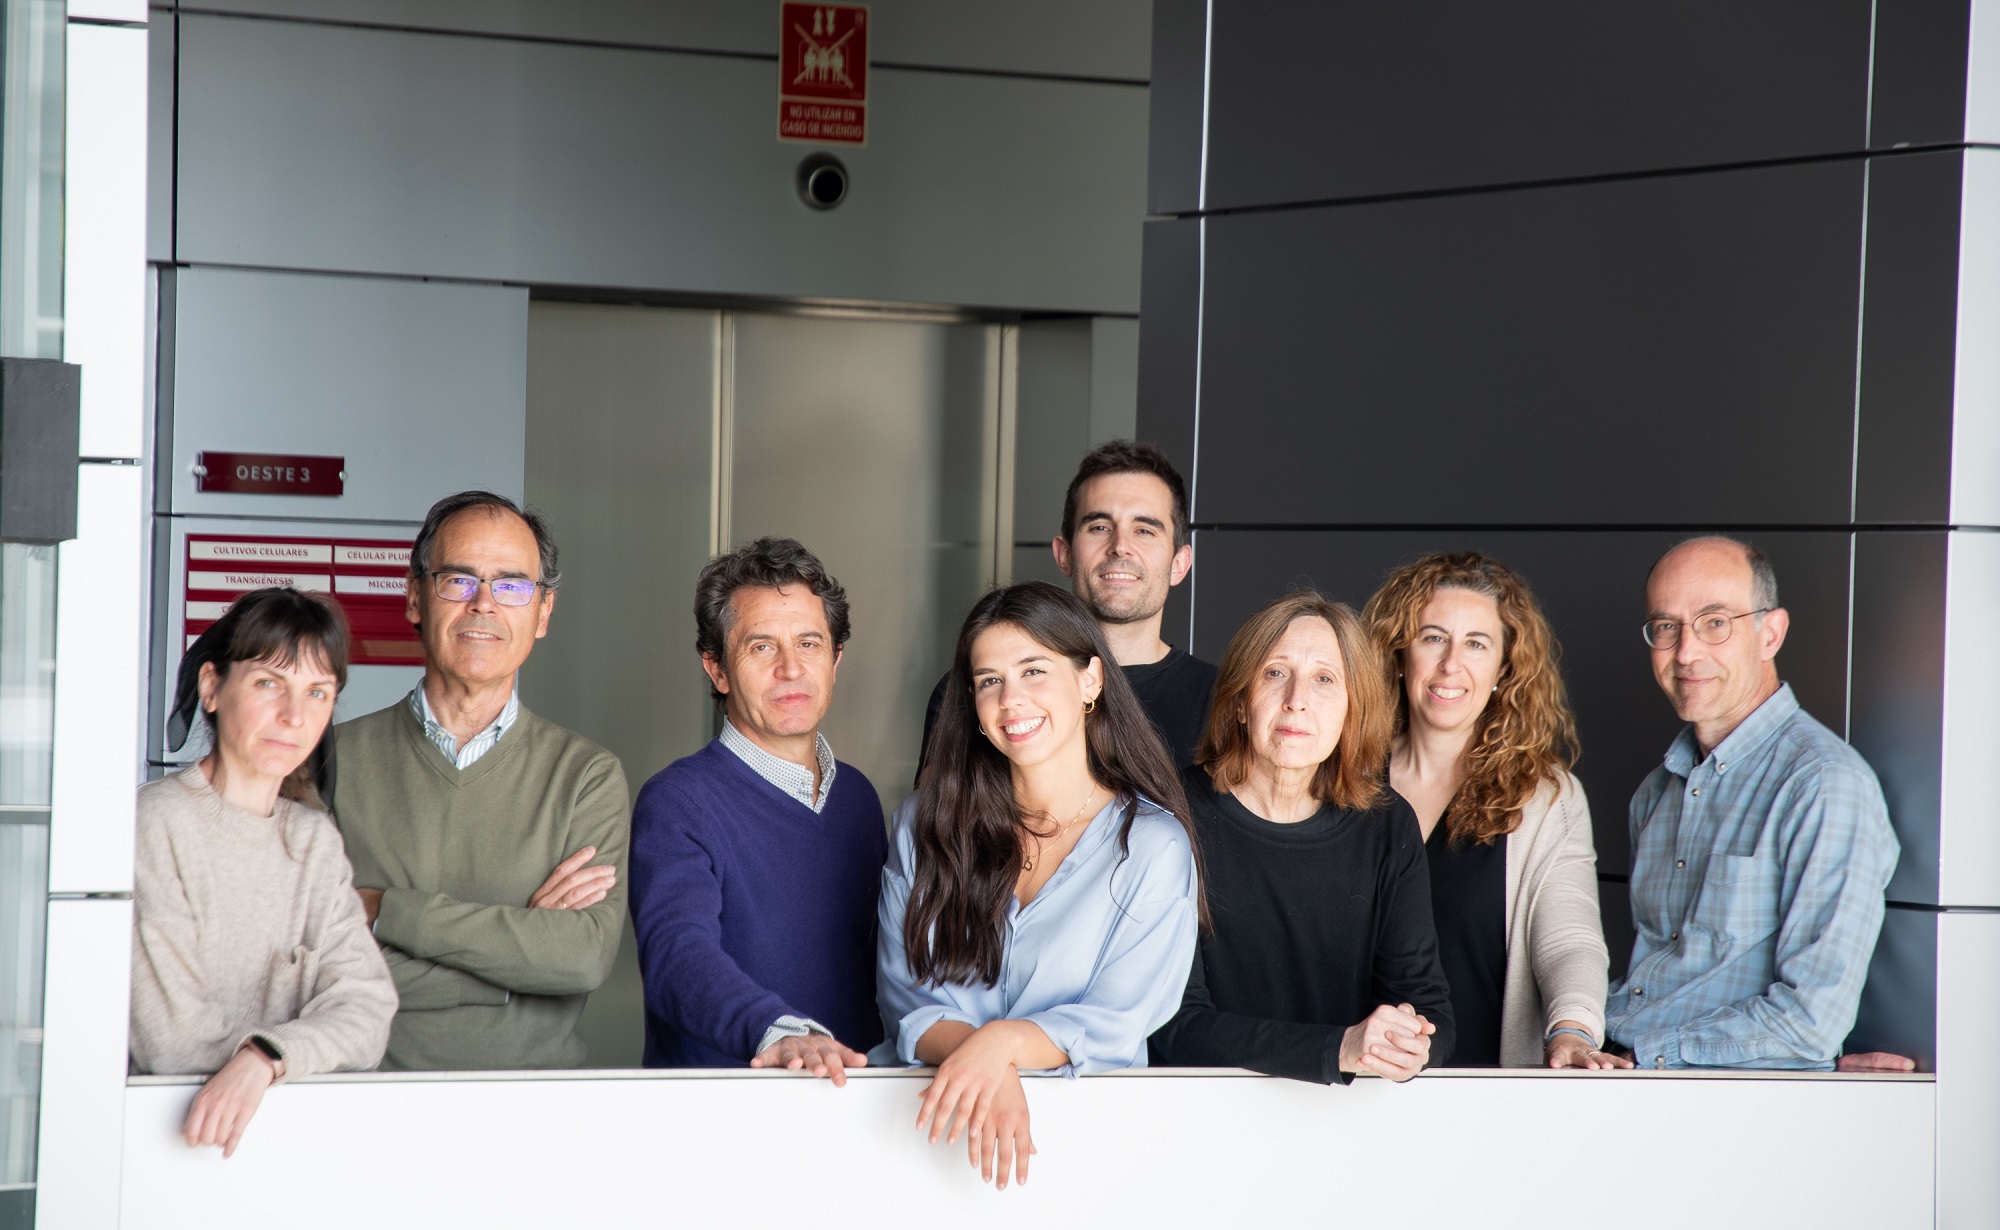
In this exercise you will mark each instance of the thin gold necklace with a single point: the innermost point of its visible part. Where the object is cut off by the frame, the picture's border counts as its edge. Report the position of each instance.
(1028, 862)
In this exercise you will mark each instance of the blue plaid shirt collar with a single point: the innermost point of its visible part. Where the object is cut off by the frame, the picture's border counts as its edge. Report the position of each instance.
(1754, 732)
(478, 745)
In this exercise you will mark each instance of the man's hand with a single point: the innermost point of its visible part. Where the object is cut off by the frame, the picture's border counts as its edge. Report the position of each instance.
(371, 903)
(1390, 1042)
(815, 1053)
(1875, 1061)
(572, 886)
(225, 1104)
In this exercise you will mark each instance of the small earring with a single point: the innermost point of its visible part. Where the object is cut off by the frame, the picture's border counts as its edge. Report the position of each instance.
(1090, 706)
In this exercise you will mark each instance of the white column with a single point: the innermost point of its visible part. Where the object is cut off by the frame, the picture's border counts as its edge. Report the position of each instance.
(103, 594)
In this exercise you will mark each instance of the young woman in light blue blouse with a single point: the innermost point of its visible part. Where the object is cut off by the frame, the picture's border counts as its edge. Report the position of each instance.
(1040, 904)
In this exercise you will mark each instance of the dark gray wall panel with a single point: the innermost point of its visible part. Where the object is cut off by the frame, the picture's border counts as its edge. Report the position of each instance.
(1899, 1001)
(1324, 101)
(1592, 585)
(1173, 173)
(1169, 335)
(1920, 73)
(1169, 298)
(1909, 340)
(1898, 691)
(1700, 326)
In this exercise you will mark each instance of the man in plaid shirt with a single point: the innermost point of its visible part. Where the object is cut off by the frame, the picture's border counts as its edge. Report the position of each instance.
(1761, 847)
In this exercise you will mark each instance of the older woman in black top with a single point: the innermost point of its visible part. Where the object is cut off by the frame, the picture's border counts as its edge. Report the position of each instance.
(1323, 959)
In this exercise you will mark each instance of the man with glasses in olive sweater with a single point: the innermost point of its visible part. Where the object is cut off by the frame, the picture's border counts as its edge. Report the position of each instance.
(487, 843)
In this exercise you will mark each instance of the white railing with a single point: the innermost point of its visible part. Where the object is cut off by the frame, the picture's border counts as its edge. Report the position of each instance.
(1155, 1149)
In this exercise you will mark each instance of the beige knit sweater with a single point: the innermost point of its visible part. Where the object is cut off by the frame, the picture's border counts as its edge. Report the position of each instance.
(248, 926)
(1556, 958)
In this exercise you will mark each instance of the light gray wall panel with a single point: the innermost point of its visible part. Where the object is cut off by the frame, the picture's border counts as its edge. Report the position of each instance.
(1969, 855)
(1104, 38)
(1982, 81)
(420, 386)
(357, 150)
(1975, 452)
(1114, 379)
(160, 139)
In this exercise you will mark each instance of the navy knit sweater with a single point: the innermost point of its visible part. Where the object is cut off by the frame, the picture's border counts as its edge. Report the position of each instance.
(749, 907)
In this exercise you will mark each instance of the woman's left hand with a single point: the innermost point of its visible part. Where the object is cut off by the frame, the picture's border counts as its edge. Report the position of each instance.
(226, 1103)
(978, 1091)
(1570, 1051)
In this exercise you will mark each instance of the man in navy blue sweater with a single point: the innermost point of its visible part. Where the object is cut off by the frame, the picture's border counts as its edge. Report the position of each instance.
(756, 861)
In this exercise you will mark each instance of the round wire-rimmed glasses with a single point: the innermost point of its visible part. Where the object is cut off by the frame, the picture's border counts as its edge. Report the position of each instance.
(1710, 628)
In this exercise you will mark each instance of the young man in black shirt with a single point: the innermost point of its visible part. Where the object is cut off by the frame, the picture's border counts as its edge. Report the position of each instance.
(1124, 545)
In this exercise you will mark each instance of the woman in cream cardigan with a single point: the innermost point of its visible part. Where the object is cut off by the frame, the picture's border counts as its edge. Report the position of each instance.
(1483, 748)
(251, 956)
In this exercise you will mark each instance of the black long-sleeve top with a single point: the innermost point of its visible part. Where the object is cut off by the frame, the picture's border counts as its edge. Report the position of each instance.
(1316, 924)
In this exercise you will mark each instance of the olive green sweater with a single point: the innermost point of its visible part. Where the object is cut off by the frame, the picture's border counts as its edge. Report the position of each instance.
(486, 982)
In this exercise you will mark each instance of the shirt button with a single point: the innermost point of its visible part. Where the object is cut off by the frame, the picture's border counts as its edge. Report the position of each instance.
(1697, 792)
(1639, 992)
(1660, 1062)
(1675, 937)
(1680, 862)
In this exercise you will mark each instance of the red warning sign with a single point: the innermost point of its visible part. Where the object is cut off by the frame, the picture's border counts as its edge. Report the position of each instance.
(823, 73)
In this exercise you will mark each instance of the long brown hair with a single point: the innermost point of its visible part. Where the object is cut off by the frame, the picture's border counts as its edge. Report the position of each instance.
(1526, 735)
(969, 829)
(281, 626)
(1352, 776)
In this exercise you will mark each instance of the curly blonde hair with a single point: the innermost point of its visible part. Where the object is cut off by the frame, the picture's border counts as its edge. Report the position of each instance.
(1526, 734)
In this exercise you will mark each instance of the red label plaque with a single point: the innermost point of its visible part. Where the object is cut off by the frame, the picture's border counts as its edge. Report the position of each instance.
(365, 576)
(823, 73)
(270, 473)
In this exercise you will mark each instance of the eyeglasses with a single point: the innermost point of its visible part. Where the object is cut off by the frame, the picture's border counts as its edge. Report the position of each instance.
(1710, 629)
(463, 587)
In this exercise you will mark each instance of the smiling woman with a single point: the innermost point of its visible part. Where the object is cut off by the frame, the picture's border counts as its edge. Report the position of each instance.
(251, 959)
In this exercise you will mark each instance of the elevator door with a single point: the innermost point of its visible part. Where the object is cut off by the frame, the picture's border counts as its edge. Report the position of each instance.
(876, 444)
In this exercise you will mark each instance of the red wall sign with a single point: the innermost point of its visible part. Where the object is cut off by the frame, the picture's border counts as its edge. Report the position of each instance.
(365, 576)
(270, 474)
(823, 73)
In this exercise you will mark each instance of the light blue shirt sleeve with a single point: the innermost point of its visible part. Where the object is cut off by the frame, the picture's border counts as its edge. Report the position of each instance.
(1136, 988)
(1838, 853)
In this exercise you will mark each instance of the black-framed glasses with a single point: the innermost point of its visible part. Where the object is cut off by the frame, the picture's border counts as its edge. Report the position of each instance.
(1712, 628)
(463, 586)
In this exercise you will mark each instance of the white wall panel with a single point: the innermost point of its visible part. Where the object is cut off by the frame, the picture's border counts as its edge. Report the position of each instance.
(421, 386)
(1103, 38)
(1148, 1149)
(312, 147)
(1982, 83)
(1968, 1067)
(83, 1064)
(100, 630)
(104, 231)
(1969, 843)
(106, 10)
(1975, 446)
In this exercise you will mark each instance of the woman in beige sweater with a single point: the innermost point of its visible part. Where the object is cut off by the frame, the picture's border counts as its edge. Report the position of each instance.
(1483, 749)
(251, 958)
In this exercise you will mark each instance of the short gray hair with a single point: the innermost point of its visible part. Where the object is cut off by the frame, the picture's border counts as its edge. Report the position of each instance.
(452, 505)
(1763, 577)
